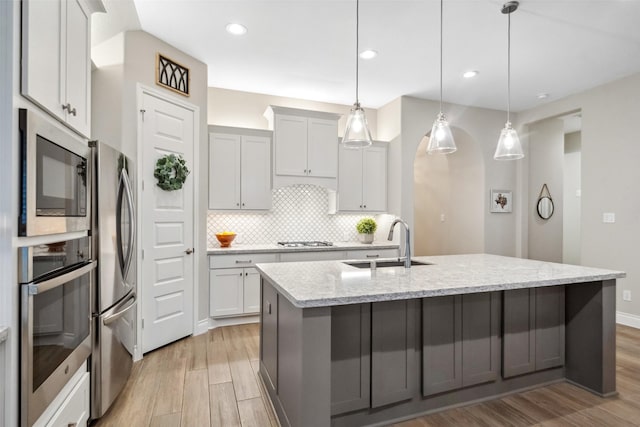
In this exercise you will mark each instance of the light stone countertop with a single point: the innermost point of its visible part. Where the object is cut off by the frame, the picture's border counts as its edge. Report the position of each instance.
(268, 248)
(329, 283)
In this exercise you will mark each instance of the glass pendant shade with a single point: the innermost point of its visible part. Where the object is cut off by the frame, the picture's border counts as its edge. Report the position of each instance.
(441, 139)
(356, 134)
(509, 147)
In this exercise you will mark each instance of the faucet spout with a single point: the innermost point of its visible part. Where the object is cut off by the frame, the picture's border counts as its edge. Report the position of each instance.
(407, 241)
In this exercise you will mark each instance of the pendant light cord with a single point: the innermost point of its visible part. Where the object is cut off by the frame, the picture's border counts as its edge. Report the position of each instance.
(441, 7)
(357, 45)
(508, 66)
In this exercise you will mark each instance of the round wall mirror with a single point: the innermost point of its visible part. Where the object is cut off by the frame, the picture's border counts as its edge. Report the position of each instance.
(545, 207)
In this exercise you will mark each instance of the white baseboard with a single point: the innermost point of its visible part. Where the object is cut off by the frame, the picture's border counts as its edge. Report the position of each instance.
(229, 321)
(202, 327)
(628, 319)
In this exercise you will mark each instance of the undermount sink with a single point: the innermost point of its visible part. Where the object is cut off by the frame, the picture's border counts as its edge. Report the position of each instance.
(383, 263)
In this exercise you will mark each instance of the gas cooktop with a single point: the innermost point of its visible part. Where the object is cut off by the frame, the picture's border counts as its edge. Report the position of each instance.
(300, 244)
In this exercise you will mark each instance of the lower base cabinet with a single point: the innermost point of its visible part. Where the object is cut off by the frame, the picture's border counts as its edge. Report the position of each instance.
(74, 410)
(534, 330)
(460, 341)
(234, 291)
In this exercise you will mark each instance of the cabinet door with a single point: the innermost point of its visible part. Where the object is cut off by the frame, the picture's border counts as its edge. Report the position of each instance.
(226, 292)
(350, 357)
(392, 352)
(78, 68)
(290, 141)
(255, 173)
(322, 146)
(442, 344)
(224, 171)
(549, 327)
(43, 55)
(374, 179)
(519, 334)
(74, 411)
(269, 336)
(350, 180)
(480, 343)
(251, 296)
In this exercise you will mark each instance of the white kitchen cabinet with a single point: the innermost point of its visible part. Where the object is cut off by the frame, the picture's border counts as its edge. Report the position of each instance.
(239, 171)
(362, 179)
(234, 285)
(56, 59)
(313, 256)
(305, 143)
(75, 408)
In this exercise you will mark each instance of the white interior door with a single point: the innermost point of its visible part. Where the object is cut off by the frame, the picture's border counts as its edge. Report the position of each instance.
(167, 226)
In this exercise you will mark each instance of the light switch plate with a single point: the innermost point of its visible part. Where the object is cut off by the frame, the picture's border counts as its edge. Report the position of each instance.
(626, 295)
(608, 217)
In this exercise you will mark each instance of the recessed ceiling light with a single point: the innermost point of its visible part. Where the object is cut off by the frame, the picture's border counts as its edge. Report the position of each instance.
(236, 29)
(368, 54)
(542, 95)
(470, 74)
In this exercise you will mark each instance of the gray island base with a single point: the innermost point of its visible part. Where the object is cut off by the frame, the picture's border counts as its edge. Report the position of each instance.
(342, 346)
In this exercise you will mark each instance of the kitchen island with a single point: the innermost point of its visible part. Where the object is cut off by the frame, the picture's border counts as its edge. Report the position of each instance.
(346, 346)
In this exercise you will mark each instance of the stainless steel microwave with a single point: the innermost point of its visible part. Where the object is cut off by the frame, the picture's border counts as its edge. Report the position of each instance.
(55, 187)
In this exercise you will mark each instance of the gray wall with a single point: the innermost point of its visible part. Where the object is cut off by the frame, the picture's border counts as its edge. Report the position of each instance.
(610, 176)
(483, 126)
(572, 206)
(546, 157)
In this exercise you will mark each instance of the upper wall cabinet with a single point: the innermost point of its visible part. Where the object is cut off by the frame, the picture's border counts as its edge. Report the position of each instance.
(305, 146)
(239, 168)
(56, 59)
(362, 179)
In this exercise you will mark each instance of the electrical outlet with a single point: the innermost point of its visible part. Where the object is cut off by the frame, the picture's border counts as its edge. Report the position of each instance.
(626, 295)
(608, 217)
(442, 218)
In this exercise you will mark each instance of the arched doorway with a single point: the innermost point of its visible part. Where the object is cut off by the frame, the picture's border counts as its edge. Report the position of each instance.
(449, 199)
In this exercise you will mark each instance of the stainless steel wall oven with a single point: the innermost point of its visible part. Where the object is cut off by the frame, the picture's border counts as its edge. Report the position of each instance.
(55, 189)
(56, 290)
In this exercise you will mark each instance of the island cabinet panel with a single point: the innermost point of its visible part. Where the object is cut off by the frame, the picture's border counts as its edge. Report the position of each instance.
(460, 339)
(269, 334)
(533, 325)
(549, 327)
(350, 357)
(442, 344)
(393, 352)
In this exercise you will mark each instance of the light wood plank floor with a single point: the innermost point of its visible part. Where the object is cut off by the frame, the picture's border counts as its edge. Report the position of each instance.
(211, 380)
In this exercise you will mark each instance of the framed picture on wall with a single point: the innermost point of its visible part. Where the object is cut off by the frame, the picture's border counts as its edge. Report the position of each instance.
(501, 201)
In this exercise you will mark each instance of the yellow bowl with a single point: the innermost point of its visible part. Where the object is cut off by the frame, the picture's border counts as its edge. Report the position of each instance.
(225, 239)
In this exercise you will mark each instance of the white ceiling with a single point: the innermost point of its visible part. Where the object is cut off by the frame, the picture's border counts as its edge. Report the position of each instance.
(306, 48)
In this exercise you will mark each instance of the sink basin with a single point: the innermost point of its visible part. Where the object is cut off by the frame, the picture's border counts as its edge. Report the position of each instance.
(383, 263)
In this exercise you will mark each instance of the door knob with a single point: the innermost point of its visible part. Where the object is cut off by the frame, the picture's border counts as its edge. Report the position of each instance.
(189, 251)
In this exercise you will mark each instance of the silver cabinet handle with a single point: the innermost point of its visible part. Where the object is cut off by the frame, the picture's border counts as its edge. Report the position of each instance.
(373, 256)
(67, 107)
(189, 251)
(242, 261)
(72, 425)
(309, 171)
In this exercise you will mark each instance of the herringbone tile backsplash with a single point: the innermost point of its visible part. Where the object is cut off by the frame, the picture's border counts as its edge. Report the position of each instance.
(299, 212)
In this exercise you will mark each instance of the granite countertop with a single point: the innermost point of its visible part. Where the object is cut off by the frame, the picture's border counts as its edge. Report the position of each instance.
(328, 283)
(4, 333)
(268, 248)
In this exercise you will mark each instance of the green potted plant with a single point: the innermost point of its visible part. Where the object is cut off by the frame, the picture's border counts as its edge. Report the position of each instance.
(366, 227)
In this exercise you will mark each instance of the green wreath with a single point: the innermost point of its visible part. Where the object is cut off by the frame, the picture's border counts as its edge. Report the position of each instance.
(171, 172)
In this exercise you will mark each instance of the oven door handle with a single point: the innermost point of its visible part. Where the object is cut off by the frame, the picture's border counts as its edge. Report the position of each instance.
(38, 288)
(127, 305)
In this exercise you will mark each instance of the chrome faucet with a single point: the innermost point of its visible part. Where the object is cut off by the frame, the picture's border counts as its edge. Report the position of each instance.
(407, 241)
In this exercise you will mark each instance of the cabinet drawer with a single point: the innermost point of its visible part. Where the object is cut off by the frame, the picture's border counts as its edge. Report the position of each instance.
(372, 254)
(312, 256)
(75, 408)
(239, 260)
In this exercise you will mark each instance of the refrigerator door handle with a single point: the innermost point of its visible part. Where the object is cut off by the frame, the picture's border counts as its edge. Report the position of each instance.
(124, 191)
(127, 305)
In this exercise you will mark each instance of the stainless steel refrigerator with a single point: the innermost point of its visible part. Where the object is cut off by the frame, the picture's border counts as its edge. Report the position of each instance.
(114, 236)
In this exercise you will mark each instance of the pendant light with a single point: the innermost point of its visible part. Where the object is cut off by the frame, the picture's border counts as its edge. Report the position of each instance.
(509, 147)
(356, 133)
(441, 139)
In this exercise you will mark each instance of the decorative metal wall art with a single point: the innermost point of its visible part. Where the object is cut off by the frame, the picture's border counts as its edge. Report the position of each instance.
(172, 75)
